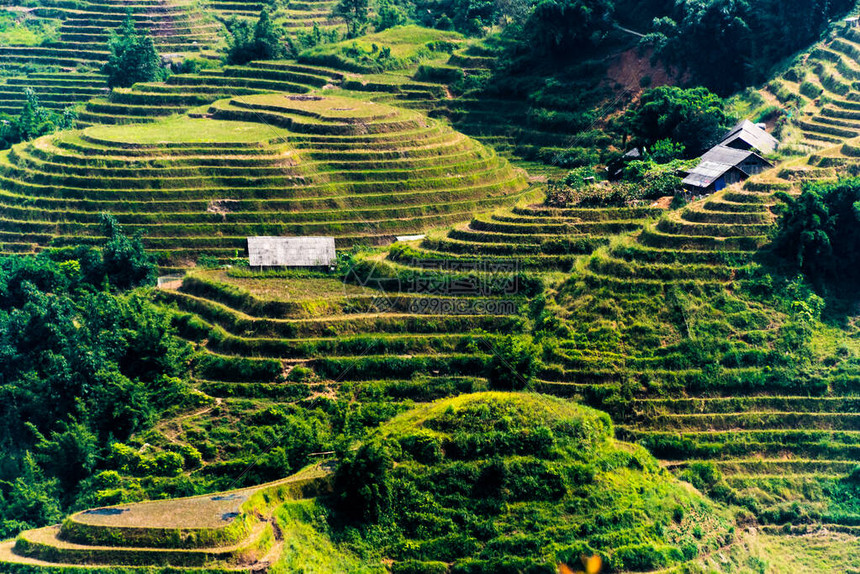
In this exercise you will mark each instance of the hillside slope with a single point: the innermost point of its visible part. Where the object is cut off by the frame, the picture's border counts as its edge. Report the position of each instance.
(678, 323)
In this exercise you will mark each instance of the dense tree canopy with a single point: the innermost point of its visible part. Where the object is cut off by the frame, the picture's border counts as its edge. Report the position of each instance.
(132, 57)
(556, 27)
(819, 233)
(80, 367)
(692, 118)
(249, 41)
(728, 44)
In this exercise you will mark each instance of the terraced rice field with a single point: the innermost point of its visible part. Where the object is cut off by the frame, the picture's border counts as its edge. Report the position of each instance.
(499, 123)
(825, 86)
(63, 72)
(299, 148)
(759, 422)
(151, 101)
(254, 165)
(254, 334)
(769, 430)
(530, 236)
(221, 532)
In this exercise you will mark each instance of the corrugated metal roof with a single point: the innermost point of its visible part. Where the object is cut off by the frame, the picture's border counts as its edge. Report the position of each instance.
(753, 136)
(707, 173)
(726, 155)
(291, 251)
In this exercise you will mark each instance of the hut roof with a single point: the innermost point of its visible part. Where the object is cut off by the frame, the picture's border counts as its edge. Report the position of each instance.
(752, 135)
(707, 172)
(291, 251)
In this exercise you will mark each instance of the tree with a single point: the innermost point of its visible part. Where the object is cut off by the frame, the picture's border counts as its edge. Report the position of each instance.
(262, 41)
(356, 15)
(80, 367)
(556, 27)
(69, 454)
(132, 57)
(514, 363)
(693, 118)
(511, 11)
(124, 258)
(819, 233)
(743, 39)
(389, 15)
(34, 121)
(362, 483)
(31, 500)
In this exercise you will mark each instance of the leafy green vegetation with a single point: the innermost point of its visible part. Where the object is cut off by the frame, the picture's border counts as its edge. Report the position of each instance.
(407, 391)
(25, 30)
(82, 367)
(34, 121)
(507, 482)
(260, 41)
(819, 233)
(729, 45)
(132, 57)
(356, 15)
(668, 116)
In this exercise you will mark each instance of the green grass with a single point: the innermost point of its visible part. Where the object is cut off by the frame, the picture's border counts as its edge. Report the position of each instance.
(19, 28)
(821, 553)
(283, 289)
(308, 549)
(186, 130)
(406, 42)
(539, 479)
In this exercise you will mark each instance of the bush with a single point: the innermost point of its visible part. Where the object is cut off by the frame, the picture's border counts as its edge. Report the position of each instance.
(514, 363)
(419, 567)
(641, 557)
(362, 483)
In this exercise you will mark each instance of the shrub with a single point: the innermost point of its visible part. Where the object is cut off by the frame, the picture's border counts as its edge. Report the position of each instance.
(362, 483)
(702, 475)
(665, 150)
(645, 557)
(514, 363)
(300, 374)
(419, 567)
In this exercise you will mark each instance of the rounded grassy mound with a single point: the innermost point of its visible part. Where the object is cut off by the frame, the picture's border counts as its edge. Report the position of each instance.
(496, 482)
(233, 531)
(270, 164)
